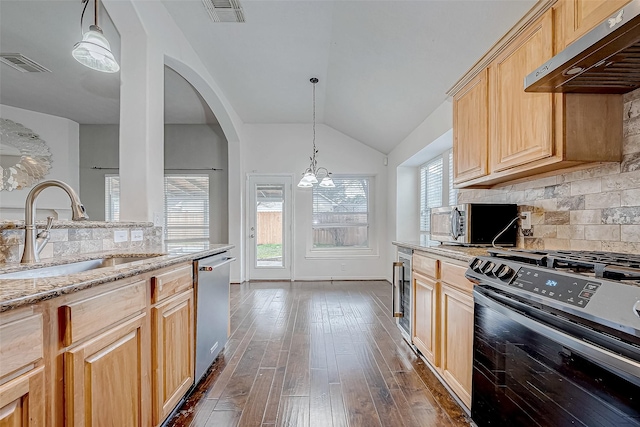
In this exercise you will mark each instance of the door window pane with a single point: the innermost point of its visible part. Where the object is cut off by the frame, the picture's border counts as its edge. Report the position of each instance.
(269, 225)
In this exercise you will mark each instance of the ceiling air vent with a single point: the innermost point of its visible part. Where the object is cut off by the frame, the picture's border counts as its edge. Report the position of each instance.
(22, 63)
(224, 10)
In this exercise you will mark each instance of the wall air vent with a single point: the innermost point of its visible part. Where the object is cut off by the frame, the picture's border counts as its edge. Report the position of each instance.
(22, 63)
(224, 10)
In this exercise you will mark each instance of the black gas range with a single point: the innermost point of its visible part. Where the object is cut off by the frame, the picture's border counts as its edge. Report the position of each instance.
(556, 338)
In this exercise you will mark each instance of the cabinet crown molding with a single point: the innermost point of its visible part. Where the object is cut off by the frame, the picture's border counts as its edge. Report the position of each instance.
(534, 13)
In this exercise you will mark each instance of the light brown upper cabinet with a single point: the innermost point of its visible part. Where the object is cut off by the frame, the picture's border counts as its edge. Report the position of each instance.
(471, 129)
(522, 123)
(580, 16)
(528, 133)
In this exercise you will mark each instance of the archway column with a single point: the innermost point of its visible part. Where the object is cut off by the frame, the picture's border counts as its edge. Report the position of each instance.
(141, 153)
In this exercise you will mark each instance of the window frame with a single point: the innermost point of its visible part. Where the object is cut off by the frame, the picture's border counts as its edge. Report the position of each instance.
(347, 252)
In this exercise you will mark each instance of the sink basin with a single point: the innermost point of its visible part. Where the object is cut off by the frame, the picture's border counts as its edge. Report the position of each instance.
(72, 268)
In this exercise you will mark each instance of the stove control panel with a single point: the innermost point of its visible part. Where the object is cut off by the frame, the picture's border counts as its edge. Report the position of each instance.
(570, 290)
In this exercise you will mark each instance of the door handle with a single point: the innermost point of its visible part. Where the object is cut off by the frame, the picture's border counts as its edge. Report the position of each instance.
(395, 297)
(455, 223)
(220, 264)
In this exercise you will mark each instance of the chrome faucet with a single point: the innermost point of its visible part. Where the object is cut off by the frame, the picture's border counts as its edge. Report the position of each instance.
(33, 244)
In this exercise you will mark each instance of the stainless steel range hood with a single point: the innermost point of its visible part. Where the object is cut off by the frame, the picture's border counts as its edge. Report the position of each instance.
(605, 60)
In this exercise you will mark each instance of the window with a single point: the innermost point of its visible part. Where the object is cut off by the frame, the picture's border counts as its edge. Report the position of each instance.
(341, 218)
(112, 198)
(186, 206)
(436, 187)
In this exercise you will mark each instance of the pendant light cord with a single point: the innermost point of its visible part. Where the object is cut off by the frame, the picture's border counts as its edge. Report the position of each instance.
(313, 158)
(314, 117)
(86, 3)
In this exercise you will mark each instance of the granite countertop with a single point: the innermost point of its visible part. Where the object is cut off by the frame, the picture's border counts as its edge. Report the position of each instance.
(19, 292)
(19, 224)
(461, 253)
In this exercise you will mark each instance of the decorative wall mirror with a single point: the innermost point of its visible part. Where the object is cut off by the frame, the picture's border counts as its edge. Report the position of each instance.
(25, 159)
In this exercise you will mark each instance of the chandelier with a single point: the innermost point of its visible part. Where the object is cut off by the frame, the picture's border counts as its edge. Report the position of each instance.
(314, 174)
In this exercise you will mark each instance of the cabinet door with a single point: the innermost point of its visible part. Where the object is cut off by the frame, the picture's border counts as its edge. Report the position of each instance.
(471, 130)
(457, 341)
(425, 333)
(22, 402)
(580, 16)
(173, 355)
(521, 124)
(106, 378)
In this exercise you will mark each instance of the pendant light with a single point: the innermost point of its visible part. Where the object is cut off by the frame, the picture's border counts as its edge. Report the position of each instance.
(94, 50)
(313, 173)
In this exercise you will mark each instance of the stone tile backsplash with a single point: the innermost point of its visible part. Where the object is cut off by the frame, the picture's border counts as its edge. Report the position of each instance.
(75, 241)
(597, 208)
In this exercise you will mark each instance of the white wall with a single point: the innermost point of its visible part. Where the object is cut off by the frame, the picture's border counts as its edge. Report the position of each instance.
(61, 135)
(186, 147)
(402, 187)
(285, 149)
(98, 148)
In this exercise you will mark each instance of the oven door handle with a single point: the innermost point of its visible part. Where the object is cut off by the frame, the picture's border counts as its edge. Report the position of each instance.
(625, 367)
(396, 309)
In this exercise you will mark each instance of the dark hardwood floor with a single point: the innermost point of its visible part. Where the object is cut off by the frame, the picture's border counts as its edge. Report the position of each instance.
(317, 354)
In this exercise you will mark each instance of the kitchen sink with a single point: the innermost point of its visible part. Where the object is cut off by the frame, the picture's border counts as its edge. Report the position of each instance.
(72, 268)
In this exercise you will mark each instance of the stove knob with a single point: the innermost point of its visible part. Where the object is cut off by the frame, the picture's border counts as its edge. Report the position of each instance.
(476, 265)
(504, 272)
(488, 267)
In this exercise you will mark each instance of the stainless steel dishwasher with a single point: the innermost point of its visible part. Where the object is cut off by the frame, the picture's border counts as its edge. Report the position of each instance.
(211, 281)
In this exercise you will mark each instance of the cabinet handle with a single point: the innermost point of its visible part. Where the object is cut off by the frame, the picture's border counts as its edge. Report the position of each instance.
(395, 296)
(64, 319)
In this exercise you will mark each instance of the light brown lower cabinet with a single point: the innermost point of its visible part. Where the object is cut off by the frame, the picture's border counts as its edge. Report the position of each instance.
(22, 400)
(118, 354)
(106, 378)
(172, 324)
(456, 320)
(443, 320)
(425, 331)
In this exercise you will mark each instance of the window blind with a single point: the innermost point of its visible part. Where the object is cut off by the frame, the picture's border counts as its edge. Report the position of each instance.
(431, 181)
(186, 207)
(340, 217)
(112, 198)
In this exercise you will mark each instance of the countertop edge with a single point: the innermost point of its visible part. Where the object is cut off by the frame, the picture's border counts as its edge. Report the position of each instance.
(19, 224)
(88, 280)
(460, 253)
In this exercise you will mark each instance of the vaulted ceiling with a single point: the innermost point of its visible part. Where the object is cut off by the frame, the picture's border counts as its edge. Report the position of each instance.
(383, 66)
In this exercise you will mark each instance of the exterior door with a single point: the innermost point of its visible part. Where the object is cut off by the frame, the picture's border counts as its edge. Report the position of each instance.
(269, 227)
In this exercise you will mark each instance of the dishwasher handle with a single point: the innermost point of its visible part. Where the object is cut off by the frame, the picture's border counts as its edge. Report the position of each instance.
(220, 264)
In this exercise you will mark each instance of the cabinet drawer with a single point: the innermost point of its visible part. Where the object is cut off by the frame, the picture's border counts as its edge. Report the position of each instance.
(425, 265)
(21, 343)
(454, 275)
(171, 282)
(80, 319)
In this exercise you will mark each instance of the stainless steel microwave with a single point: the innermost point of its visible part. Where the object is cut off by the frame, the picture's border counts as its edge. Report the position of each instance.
(474, 224)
